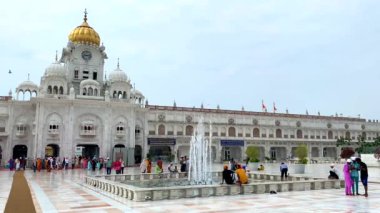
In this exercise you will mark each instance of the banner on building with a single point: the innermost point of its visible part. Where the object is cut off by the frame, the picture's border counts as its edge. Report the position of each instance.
(161, 141)
(231, 142)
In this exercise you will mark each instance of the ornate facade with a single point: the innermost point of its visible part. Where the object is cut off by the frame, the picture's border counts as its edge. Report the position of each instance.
(76, 110)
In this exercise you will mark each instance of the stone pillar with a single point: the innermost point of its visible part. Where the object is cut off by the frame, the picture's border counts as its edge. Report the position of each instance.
(175, 153)
(130, 156)
(267, 151)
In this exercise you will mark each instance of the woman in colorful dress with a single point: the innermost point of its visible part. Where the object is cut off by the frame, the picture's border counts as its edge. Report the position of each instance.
(347, 177)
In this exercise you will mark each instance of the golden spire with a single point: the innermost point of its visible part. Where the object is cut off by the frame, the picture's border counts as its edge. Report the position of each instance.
(84, 34)
(56, 55)
(118, 65)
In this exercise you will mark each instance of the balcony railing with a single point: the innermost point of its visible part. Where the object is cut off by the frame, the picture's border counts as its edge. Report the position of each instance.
(88, 132)
(53, 132)
(120, 134)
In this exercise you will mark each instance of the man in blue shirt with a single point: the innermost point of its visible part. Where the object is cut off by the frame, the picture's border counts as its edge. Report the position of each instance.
(284, 171)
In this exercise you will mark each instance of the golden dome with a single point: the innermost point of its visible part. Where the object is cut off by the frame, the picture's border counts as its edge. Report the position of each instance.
(84, 34)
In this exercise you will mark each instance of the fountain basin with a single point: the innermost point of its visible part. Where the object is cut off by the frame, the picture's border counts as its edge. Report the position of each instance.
(258, 184)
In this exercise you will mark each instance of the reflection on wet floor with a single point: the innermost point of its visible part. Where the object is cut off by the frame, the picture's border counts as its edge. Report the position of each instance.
(61, 191)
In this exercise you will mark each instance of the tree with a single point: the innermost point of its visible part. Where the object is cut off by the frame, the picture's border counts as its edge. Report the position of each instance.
(253, 153)
(301, 153)
(343, 142)
(347, 152)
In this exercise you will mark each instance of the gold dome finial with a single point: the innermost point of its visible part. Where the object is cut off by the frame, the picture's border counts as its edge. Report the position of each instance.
(56, 55)
(118, 65)
(85, 15)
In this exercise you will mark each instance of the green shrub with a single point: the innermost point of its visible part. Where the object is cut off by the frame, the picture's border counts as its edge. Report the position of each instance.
(253, 153)
(301, 153)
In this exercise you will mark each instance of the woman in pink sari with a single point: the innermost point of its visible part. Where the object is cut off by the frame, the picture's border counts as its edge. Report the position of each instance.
(347, 177)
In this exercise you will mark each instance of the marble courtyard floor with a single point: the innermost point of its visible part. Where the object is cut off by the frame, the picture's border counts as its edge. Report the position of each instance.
(61, 191)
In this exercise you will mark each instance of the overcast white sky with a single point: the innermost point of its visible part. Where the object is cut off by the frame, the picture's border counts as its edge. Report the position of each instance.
(303, 55)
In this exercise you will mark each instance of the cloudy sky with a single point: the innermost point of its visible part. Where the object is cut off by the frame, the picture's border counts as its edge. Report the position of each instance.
(302, 55)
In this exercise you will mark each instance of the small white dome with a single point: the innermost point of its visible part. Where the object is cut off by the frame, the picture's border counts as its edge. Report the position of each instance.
(138, 93)
(89, 82)
(55, 69)
(27, 85)
(118, 75)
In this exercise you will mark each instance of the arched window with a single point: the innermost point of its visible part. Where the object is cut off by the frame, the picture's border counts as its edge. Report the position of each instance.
(120, 129)
(84, 91)
(299, 133)
(124, 95)
(55, 90)
(256, 133)
(348, 135)
(330, 135)
(364, 134)
(49, 90)
(278, 133)
(120, 95)
(95, 92)
(161, 129)
(61, 90)
(189, 130)
(231, 132)
(90, 91)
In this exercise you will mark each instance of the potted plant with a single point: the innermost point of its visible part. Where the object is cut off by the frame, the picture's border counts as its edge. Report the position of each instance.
(301, 154)
(253, 156)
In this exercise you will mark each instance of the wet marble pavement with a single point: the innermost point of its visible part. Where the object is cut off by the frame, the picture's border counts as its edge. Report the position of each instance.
(61, 191)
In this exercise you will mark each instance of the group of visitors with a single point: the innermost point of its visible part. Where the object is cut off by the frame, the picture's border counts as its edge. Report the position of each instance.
(351, 171)
(16, 164)
(239, 175)
(146, 166)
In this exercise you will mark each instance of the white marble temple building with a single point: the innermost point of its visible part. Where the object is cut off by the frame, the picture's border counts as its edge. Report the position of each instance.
(76, 106)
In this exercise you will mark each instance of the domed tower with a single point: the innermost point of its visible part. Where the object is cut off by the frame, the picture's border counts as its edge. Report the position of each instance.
(83, 56)
(120, 85)
(27, 88)
(54, 81)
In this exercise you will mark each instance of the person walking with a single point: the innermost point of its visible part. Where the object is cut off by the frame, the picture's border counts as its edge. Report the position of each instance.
(39, 164)
(159, 163)
(363, 175)
(108, 165)
(347, 177)
(143, 166)
(34, 165)
(11, 164)
(122, 166)
(284, 171)
(117, 166)
(354, 170)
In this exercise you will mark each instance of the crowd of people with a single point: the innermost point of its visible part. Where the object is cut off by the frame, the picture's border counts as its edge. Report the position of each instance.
(56, 163)
(234, 173)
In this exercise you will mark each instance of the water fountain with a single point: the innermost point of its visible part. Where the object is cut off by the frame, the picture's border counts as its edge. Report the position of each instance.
(200, 156)
(198, 182)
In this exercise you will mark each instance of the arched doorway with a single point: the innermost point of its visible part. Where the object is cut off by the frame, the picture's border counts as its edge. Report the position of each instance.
(20, 151)
(89, 150)
(52, 150)
(138, 154)
(119, 152)
(163, 152)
